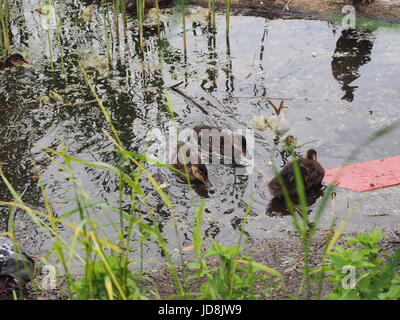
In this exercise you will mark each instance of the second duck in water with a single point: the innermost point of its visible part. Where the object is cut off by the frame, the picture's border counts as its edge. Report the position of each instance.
(226, 143)
(13, 60)
(187, 159)
(311, 171)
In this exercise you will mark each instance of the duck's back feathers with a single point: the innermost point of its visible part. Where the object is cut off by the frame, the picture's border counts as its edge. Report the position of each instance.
(232, 145)
(311, 172)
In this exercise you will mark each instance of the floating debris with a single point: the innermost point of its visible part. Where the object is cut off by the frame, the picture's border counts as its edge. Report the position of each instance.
(366, 176)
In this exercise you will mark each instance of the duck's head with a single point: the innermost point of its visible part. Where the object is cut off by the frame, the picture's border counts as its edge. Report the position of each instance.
(16, 60)
(312, 154)
(199, 173)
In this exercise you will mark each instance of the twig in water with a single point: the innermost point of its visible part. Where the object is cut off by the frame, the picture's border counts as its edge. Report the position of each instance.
(262, 97)
(175, 85)
(174, 88)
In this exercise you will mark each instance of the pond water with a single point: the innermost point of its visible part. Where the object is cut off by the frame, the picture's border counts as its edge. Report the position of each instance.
(341, 86)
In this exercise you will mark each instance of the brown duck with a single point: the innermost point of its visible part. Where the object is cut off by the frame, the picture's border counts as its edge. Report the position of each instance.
(13, 60)
(196, 170)
(227, 140)
(311, 171)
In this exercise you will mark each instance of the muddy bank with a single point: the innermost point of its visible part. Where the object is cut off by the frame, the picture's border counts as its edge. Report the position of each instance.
(312, 9)
(282, 254)
(388, 10)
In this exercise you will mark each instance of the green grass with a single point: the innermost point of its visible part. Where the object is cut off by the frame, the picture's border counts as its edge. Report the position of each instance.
(219, 271)
(224, 272)
(5, 27)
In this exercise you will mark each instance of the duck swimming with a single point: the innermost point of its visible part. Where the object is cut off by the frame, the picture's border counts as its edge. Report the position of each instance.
(13, 60)
(191, 159)
(17, 265)
(234, 144)
(311, 171)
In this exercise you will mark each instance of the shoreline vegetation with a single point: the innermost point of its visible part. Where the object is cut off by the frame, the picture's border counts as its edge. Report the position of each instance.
(308, 264)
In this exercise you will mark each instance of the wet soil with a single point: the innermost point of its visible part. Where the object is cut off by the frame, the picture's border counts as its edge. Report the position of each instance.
(388, 10)
(282, 254)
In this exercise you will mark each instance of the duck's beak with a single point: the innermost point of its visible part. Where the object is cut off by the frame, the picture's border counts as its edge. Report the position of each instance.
(20, 62)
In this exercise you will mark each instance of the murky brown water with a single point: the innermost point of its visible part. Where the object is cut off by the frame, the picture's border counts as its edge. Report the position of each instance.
(343, 86)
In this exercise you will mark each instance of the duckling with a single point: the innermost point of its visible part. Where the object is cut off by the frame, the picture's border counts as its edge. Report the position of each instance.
(277, 123)
(196, 170)
(227, 140)
(17, 265)
(12, 61)
(311, 171)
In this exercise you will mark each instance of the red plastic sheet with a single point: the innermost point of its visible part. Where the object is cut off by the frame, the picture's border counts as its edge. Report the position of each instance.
(366, 176)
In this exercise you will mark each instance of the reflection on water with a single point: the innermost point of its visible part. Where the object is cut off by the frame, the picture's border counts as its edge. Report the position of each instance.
(231, 77)
(277, 206)
(353, 49)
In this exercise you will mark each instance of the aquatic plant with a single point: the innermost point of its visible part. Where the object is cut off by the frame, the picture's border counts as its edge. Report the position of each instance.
(107, 259)
(213, 16)
(227, 14)
(158, 17)
(4, 27)
(140, 5)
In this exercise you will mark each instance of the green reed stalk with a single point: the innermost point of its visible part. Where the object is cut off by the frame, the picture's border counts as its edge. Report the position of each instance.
(158, 18)
(4, 23)
(1, 24)
(105, 10)
(140, 4)
(116, 10)
(50, 50)
(60, 45)
(213, 21)
(128, 156)
(227, 14)
(183, 9)
(209, 12)
(123, 13)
